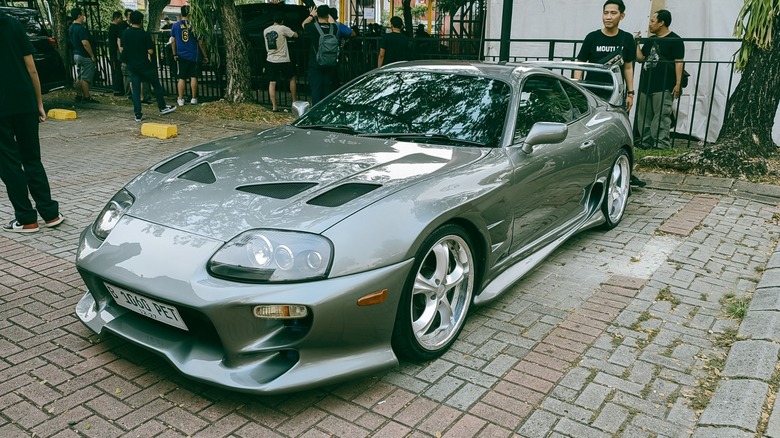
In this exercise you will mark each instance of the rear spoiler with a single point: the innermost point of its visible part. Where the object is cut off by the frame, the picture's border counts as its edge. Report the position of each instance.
(614, 94)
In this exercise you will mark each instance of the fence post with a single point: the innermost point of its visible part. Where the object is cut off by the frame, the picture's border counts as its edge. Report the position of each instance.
(506, 31)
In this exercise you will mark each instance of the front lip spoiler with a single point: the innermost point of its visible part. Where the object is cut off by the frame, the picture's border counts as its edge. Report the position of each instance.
(263, 375)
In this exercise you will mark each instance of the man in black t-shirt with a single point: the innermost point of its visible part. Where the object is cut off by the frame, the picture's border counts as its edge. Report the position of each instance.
(137, 49)
(394, 45)
(602, 45)
(21, 109)
(659, 81)
(114, 32)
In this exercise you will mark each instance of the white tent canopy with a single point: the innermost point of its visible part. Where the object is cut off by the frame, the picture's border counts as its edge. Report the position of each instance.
(573, 19)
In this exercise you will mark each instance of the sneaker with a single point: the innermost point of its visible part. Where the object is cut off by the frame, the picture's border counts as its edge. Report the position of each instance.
(180, 102)
(193, 101)
(54, 222)
(15, 227)
(89, 100)
(139, 119)
(637, 182)
(168, 109)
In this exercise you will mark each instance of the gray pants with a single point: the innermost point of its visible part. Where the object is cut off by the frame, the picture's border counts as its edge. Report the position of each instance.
(654, 116)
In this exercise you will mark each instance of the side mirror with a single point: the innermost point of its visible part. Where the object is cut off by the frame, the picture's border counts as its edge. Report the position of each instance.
(300, 107)
(544, 132)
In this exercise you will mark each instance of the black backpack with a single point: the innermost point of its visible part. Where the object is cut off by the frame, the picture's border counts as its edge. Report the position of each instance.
(328, 48)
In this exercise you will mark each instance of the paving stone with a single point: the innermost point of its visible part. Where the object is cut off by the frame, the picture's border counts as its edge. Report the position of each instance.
(736, 403)
(539, 424)
(721, 432)
(752, 359)
(766, 299)
(593, 396)
(773, 427)
(763, 325)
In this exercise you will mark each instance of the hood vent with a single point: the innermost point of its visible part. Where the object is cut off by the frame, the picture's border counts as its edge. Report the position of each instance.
(343, 194)
(201, 173)
(175, 162)
(277, 190)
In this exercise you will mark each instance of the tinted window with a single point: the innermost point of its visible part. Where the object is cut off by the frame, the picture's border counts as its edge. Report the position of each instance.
(542, 100)
(577, 99)
(29, 20)
(459, 106)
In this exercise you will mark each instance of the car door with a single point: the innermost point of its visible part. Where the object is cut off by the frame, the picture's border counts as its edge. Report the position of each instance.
(552, 181)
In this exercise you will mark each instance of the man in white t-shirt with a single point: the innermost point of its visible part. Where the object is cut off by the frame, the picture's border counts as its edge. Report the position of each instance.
(279, 65)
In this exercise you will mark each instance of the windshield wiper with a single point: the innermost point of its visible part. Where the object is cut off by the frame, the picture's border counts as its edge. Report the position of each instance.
(346, 129)
(425, 138)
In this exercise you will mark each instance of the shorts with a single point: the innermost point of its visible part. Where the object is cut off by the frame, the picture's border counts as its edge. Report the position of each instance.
(279, 70)
(188, 69)
(86, 68)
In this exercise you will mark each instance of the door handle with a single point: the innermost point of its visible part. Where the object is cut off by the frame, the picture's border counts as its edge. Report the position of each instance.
(587, 145)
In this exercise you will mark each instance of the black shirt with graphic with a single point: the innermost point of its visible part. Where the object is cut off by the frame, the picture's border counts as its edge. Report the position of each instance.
(658, 68)
(599, 48)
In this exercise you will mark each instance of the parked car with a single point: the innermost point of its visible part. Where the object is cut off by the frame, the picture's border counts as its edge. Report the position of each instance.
(51, 69)
(361, 233)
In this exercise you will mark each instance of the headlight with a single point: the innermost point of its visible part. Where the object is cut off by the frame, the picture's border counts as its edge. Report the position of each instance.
(272, 256)
(112, 212)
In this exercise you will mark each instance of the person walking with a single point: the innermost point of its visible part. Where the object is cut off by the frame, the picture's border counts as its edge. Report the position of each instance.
(21, 110)
(318, 26)
(394, 45)
(603, 45)
(189, 52)
(137, 50)
(83, 56)
(660, 81)
(278, 58)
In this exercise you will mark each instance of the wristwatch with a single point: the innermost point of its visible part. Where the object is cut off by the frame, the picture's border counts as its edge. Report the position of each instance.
(630, 92)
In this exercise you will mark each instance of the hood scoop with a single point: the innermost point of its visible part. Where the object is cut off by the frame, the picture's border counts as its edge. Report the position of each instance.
(175, 162)
(201, 173)
(343, 194)
(278, 190)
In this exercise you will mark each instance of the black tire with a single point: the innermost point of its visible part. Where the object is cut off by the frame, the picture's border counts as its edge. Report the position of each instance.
(437, 295)
(617, 190)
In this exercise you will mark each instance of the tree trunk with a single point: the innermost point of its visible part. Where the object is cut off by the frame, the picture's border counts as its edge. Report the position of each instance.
(61, 20)
(155, 8)
(746, 136)
(408, 25)
(236, 53)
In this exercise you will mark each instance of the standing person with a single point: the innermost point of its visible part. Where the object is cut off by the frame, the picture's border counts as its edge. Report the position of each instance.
(278, 58)
(114, 32)
(322, 74)
(659, 81)
(188, 51)
(604, 44)
(394, 45)
(83, 56)
(138, 49)
(21, 110)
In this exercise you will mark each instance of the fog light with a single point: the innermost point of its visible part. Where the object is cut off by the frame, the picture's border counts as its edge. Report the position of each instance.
(281, 311)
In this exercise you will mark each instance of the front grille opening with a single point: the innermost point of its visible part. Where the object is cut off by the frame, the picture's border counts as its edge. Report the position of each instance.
(176, 162)
(343, 194)
(278, 190)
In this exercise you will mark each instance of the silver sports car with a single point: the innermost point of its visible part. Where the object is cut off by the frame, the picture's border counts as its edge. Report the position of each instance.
(364, 231)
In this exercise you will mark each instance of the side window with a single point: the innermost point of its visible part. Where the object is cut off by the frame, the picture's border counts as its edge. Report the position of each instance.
(542, 99)
(578, 100)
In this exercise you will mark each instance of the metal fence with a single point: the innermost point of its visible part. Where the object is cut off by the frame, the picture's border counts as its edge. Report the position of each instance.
(711, 83)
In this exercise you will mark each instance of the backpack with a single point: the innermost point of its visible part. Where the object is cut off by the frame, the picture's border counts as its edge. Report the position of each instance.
(328, 48)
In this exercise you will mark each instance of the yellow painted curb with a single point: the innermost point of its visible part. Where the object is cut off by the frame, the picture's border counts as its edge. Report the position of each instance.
(159, 130)
(61, 114)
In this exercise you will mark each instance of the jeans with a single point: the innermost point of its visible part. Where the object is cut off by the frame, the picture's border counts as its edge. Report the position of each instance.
(147, 74)
(321, 81)
(22, 171)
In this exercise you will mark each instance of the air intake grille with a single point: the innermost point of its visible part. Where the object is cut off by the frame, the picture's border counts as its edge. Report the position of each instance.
(343, 194)
(175, 162)
(278, 190)
(201, 173)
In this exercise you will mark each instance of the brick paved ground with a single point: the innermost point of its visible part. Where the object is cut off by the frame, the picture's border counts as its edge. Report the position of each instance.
(609, 337)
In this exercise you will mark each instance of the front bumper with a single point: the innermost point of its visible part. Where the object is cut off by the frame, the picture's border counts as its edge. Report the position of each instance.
(226, 345)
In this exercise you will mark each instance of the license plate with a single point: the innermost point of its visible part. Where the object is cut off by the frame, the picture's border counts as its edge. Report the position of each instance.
(147, 306)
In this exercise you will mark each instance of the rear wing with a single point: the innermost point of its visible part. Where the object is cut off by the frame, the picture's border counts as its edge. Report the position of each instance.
(614, 93)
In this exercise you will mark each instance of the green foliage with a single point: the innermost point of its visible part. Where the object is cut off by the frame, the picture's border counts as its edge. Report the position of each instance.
(754, 27)
(203, 17)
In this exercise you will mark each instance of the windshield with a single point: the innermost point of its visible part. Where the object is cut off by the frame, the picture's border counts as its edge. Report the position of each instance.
(439, 105)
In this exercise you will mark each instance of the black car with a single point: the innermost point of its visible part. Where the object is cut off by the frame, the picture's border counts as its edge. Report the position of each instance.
(51, 69)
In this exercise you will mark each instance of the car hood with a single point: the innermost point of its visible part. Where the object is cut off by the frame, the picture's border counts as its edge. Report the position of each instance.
(286, 178)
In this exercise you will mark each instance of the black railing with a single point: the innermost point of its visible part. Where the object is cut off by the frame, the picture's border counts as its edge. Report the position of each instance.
(711, 76)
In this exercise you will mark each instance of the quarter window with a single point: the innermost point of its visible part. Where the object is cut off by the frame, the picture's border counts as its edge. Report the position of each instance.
(542, 99)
